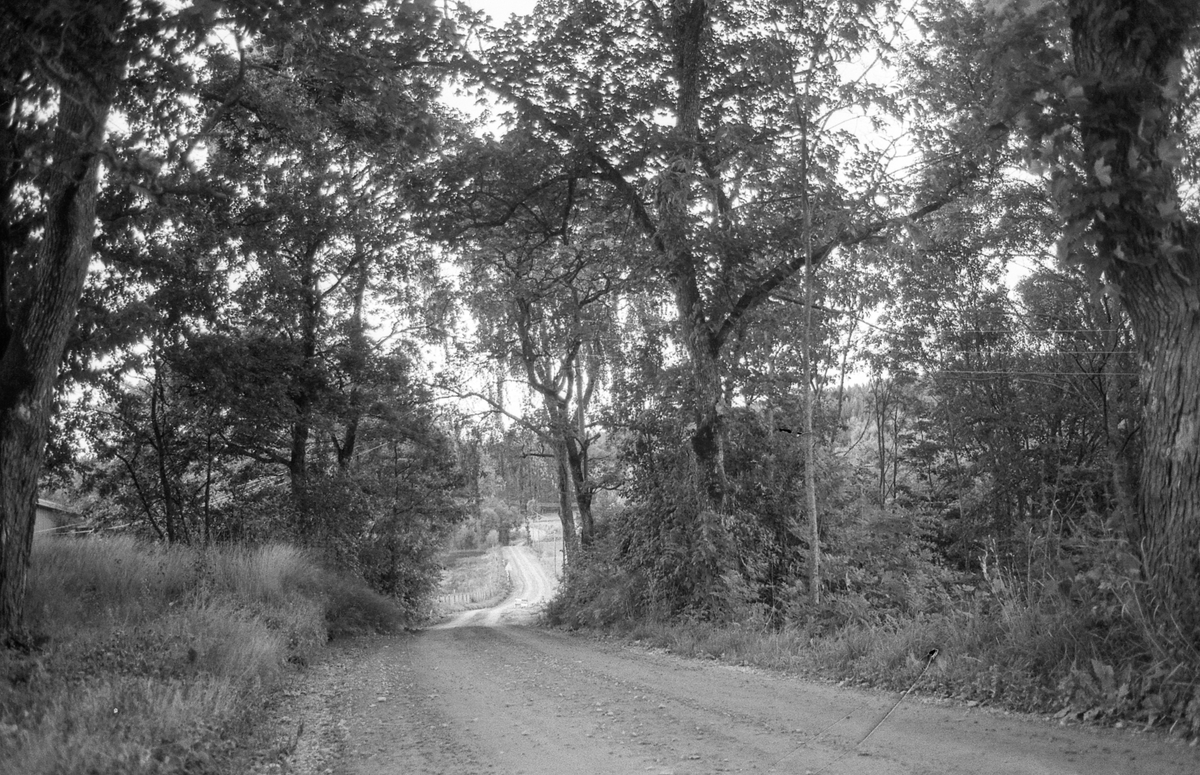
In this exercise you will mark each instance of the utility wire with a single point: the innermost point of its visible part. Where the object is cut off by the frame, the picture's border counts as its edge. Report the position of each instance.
(928, 661)
(932, 655)
(970, 373)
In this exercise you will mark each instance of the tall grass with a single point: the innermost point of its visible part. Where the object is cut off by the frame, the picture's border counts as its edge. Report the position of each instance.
(979, 659)
(153, 659)
(1041, 652)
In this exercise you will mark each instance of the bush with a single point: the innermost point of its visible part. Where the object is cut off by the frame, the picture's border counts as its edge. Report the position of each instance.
(393, 543)
(599, 593)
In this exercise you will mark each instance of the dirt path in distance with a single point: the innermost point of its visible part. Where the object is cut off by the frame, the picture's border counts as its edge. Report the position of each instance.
(484, 693)
(532, 588)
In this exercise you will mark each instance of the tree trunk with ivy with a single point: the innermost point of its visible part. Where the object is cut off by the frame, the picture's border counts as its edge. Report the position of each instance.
(1128, 56)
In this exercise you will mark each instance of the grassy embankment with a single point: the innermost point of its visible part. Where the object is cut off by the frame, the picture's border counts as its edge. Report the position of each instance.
(156, 659)
(981, 660)
(1038, 651)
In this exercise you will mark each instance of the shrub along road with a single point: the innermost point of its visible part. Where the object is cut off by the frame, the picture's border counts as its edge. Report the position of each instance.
(486, 693)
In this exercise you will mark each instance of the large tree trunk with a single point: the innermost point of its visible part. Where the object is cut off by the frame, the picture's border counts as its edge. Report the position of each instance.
(38, 318)
(578, 453)
(1125, 52)
(689, 23)
(1165, 312)
(573, 489)
(708, 429)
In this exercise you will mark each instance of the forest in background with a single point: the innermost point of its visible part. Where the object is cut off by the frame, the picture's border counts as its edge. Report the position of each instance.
(849, 317)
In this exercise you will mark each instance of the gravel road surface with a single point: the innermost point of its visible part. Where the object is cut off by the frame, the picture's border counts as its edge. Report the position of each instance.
(487, 693)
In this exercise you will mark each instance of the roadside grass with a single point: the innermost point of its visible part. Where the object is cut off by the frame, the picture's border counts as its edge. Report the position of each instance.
(974, 663)
(1044, 655)
(472, 579)
(1066, 633)
(156, 659)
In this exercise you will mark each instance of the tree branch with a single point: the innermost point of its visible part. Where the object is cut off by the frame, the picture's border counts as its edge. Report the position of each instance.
(608, 171)
(776, 276)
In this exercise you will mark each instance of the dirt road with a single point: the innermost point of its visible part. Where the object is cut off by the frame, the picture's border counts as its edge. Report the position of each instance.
(532, 588)
(486, 694)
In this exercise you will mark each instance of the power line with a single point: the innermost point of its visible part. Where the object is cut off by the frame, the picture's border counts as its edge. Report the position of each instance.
(1042, 352)
(1036, 373)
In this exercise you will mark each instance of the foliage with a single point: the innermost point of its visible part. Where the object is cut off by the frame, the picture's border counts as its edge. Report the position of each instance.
(292, 231)
(388, 532)
(244, 132)
(733, 177)
(1072, 643)
(667, 549)
(1100, 109)
(187, 465)
(1007, 408)
(277, 366)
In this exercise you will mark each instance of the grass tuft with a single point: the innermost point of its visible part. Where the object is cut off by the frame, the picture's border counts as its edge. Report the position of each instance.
(154, 657)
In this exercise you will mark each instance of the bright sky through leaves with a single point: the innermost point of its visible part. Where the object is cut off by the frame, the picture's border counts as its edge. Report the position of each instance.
(500, 10)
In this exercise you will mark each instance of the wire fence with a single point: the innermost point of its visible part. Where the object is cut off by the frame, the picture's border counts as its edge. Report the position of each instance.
(474, 582)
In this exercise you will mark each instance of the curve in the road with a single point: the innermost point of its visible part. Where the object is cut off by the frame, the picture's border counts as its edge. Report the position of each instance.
(478, 697)
(532, 587)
